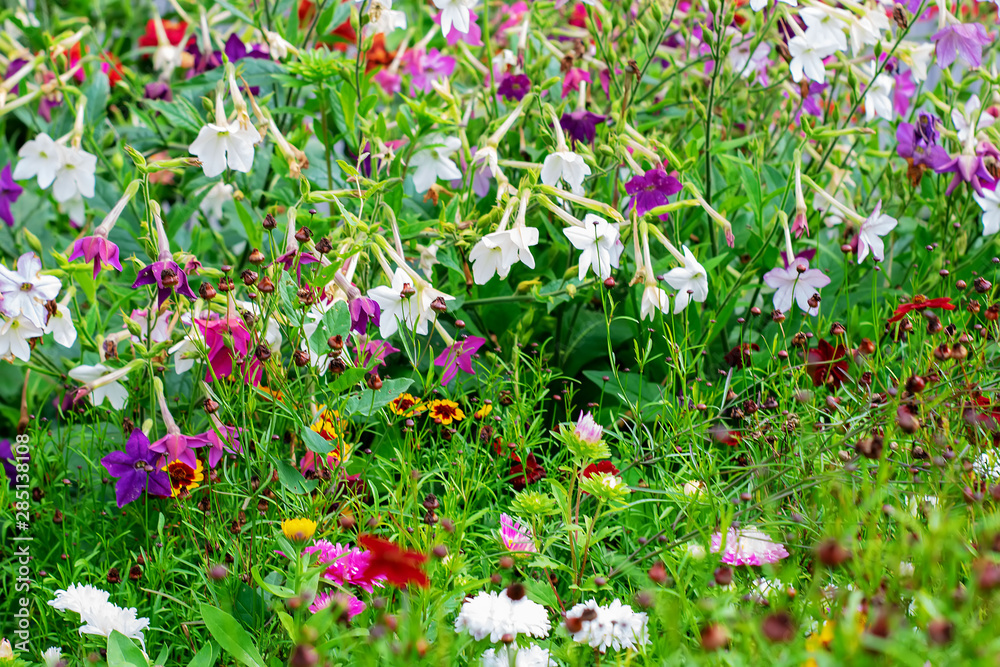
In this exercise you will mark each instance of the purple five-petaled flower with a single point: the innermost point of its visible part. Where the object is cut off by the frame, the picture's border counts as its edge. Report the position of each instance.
(9, 192)
(514, 86)
(364, 312)
(967, 169)
(581, 125)
(457, 356)
(99, 250)
(167, 276)
(222, 439)
(916, 142)
(962, 40)
(137, 470)
(651, 189)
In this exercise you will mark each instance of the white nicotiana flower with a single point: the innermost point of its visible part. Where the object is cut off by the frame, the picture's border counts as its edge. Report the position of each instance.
(567, 166)
(277, 46)
(614, 626)
(532, 655)
(435, 162)
(15, 333)
(653, 299)
(494, 615)
(395, 308)
(878, 97)
(741, 59)
(25, 290)
(758, 5)
(114, 392)
(867, 30)
(599, 243)
(872, 229)
(990, 203)
(223, 144)
(495, 254)
(214, 198)
(383, 18)
(824, 26)
(455, 14)
(60, 325)
(428, 257)
(160, 332)
(41, 157)
(807, 58)
(970, 120)
(690, 281)
(75, 177)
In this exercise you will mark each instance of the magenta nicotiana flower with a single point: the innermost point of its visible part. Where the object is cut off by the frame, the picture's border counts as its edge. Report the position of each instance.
(175, 446)
(961, 40)
(968, 168)
(164, 272)
(222, 439)
(97, 248)
(349, 605)
(581, 125)
(137, 470)
(426, 67)
(221, 356)
(292, 256)
(516, 536)
(651, 190)
(345, 565)
(374, 349)
(903, 92)
(9, 192)
(574, 77)
(748, 546)
(364, 312)
(457, 356)
(158, 90)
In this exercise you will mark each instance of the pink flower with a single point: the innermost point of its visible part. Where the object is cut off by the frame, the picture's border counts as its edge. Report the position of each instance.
(514, 535)
(350, 605)
(346, 564)
(587, 430)
(748, 546)
(221, 355)
(571, 83)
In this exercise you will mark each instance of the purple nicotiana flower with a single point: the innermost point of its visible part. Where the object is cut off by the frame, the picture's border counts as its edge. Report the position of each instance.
(651, 189)
(9, 461)
(375, 349)
(159, 90)
(9, 192)
(222, 439)
(99, 250)
(967, 169)
(913, 143)
(962, 40)
(426, 68)
(514, 86)
(167, 276)
(481, 179)
(365, 312)
(176, 446)
(13, 68)
(581, 125)
(137, 470)
(904, 91)
(457, 356)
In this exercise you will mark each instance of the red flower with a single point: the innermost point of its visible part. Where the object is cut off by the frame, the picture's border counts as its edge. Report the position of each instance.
(175, 33)
(399, 567)
(112, 66)
(307, 10)
(921, 302)
(827, 364)
(600, 468)
(524, 473)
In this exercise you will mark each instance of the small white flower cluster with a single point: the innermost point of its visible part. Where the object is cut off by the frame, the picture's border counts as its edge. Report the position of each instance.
(494, 615)
(29, 310)
(615, 626)
(524, 656)
(99, 615)
(68, 169)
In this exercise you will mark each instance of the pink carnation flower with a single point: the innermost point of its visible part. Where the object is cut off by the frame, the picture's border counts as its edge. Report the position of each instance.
(748, 546)
(351, 605)
(515, 535)
(346, 564)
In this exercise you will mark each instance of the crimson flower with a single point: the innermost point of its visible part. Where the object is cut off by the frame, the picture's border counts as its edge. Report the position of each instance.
(174, 30)
(741, 355)
(921, 302)
(524, 473)
(827, 364)
(600, 468)
(397, 566)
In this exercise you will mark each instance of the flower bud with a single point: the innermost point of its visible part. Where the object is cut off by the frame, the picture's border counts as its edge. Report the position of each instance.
(265, 286)
(256, 257)
(323, 246)
(301, 358)
(249, 277)
(226, 284)
(269, 222)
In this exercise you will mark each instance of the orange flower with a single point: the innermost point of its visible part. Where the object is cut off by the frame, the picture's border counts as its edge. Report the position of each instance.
(182, 477)
(407, 405)
(445, 412)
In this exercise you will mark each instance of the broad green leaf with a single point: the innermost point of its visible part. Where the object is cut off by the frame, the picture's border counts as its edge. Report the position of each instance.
(205, 657)
(231, 636)
(122, 652)
(292, 479)
(370, 401)
(315, 442)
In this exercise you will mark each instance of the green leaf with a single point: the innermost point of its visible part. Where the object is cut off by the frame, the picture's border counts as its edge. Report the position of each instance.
(315, 442)
(292, 479)
(231, 636)
(255, 232)
(349, 100)
(179, 113)
(122, 652)
(274, 589)
(336, 322)
(205, 657)
(368, 402)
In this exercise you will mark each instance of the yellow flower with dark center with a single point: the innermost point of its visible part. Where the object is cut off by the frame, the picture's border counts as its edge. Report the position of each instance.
(407, 405)
(483, 411)
(182, 477)
(445, 412)
(329, 424)
(298, 530)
